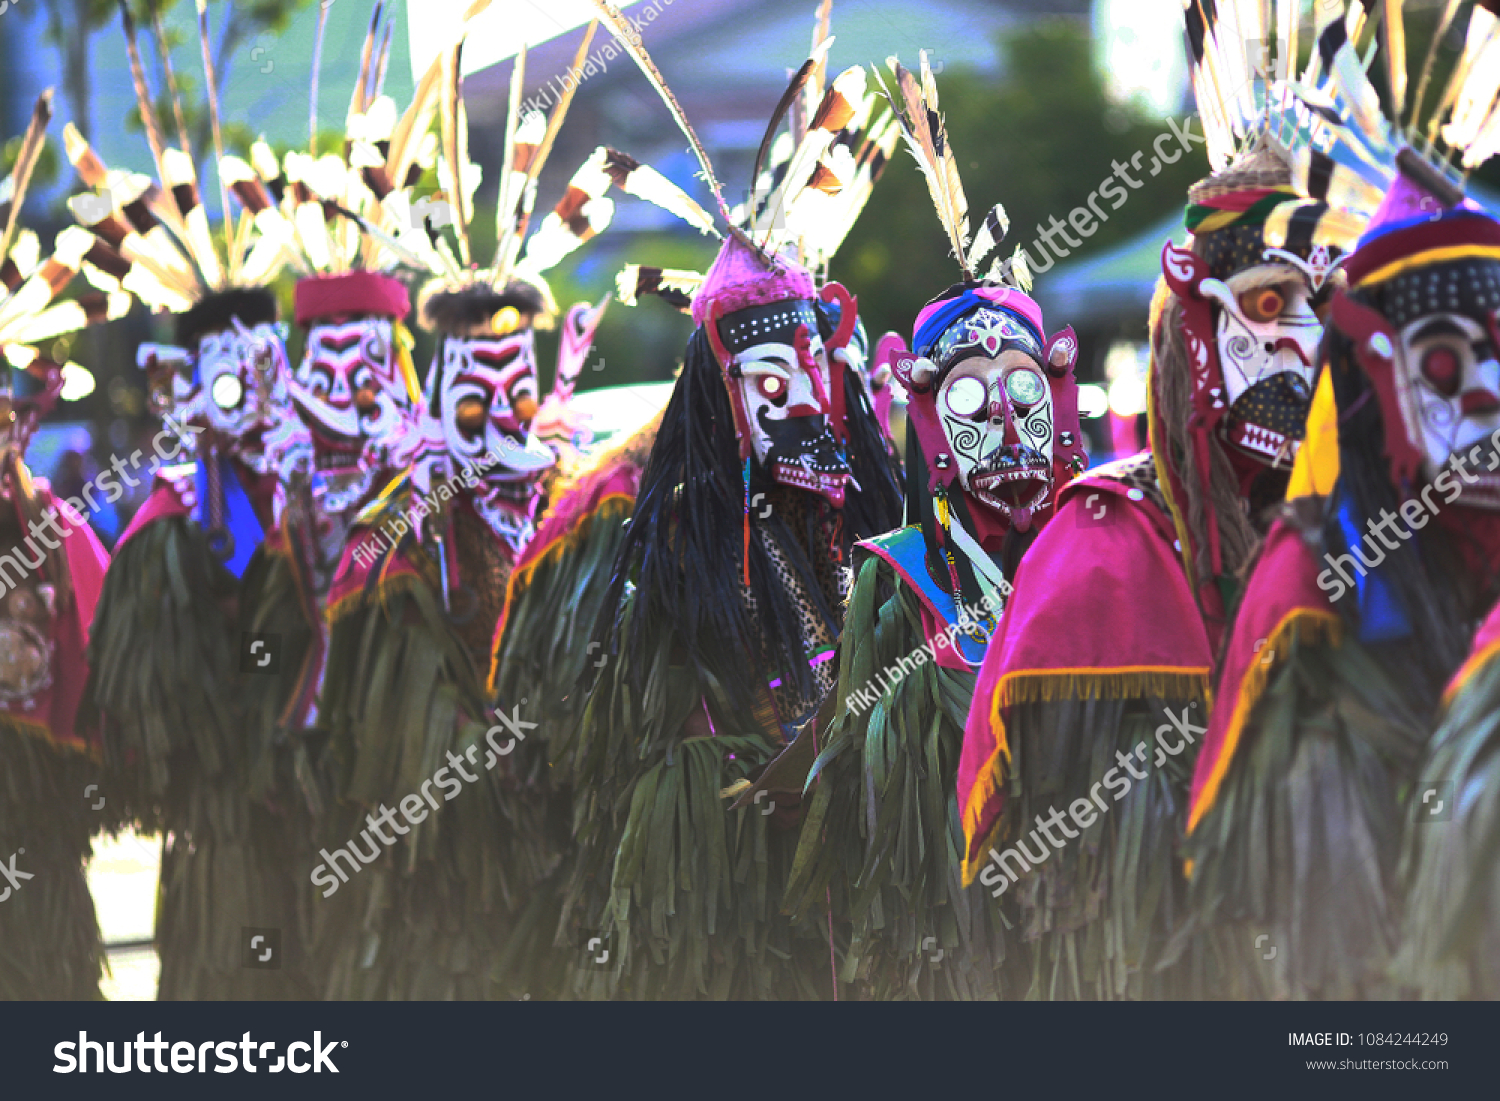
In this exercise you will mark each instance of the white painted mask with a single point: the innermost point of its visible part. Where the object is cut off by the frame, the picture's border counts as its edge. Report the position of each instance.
(997, 414)
(1267, 334)
(1448, 376)
(785, 386)
(350, 390)
(239, 387)
(486, 400)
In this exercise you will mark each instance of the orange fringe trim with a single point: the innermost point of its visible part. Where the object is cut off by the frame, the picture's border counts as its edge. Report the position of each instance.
(354, 602)
(520, 578)
(1300, 624)
(1043, 685)
(43, 733)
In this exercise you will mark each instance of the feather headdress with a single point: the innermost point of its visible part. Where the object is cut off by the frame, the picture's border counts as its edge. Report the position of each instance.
(152, 237)
(1259, 115)
(29, 284)
(1436, 136)
(354, 210)
(584, 211)
(915, 105)
(810, 181)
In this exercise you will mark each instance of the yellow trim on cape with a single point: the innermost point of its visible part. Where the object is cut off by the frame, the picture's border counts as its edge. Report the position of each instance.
(522, 577)
(26, 728)
(1468, 669)
(1309, 624)
(355, 601)
(1431, 256)
(1316, 467)
(1043, 685)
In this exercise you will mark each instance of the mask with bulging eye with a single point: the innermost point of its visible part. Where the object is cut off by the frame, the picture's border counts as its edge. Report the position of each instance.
(240, 387)
(1448, 376)
(784, 384)
(997, 414)
(487, 397)
(1267, 332)
(351, 392)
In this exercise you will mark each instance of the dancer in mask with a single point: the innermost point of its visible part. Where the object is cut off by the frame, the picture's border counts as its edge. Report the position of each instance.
(717, 634)
(167, 648)
(52, 566)
(1368, 593)
(415, 601)
(1081, 737)
(992, 434)
(568, 565)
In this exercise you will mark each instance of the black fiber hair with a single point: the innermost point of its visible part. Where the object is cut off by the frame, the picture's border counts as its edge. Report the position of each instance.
(1426, 571)
(216, 312)
(874, 508)
(682, 550)
(450, 311)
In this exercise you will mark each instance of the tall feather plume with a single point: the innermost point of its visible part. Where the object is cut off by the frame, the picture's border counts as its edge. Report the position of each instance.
(1472, 89)
(378, 78)
(1450, 10)
(834, 111)
(148, 260)
(512, 196)
(875, 143)
(159, 33)
(1477, 45)
(317, 71)
(582, 213)
(794, 90)
(13, 190)
(416, 122)
(922, 126)
(822, 35)
(143, 92)
(359, 102)
(991, 232)
(453, 121)
(631, 42)
(211, 91)
(1395, 54)
(554, 124)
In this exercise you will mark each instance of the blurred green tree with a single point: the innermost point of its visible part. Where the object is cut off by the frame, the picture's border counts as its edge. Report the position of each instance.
(72, 24)
(1038, 141)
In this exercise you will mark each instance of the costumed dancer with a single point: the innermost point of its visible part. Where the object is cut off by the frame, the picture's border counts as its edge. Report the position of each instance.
(992, 432)
(1367, 595)
(567, 566)
(357, 400)
(416, 598)
(1089, 702)
(835, 147)
(717, 636)
(51, 569)
(164, 654)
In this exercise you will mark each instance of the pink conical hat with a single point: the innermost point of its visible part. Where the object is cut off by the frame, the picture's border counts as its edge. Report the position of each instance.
(1409, 200)
(742, 277)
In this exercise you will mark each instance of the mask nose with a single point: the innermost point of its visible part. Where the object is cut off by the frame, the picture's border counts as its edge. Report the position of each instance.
(339, 394)
(809, 364)
(1000, 416)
